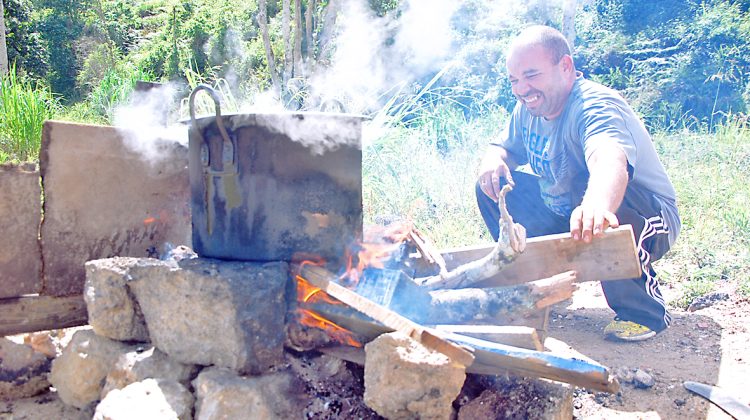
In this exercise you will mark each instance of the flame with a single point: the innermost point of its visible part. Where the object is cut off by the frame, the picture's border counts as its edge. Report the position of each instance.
(147, 221)
(340, 334)
(308, 293)
(379, 243)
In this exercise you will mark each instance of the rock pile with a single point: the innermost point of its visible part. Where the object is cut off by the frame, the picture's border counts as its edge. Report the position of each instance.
(205, 339)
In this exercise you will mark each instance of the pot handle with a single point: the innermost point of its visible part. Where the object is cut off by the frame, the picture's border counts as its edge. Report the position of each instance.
(228, 147)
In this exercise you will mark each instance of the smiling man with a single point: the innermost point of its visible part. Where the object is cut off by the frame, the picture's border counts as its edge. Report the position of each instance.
(591, 165)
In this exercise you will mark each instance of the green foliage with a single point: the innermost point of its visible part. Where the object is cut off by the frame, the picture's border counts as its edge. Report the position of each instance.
(26, 48)
(690, 61)
(24, 106)
(61, 23)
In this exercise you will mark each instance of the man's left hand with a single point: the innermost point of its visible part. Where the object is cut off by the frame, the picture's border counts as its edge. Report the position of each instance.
(587, 222)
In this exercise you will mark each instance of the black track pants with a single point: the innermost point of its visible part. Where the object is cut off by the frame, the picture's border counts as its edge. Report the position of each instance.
(637, 299)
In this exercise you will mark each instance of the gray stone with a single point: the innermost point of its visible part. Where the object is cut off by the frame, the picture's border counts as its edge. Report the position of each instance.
(79, 372)
(222, 394)
(135, 366)
(147, 399)
(112, 309)
(405, 380)
(23, 371)
(20, 214)
(211, 312)
(641, 379)
(103, 199)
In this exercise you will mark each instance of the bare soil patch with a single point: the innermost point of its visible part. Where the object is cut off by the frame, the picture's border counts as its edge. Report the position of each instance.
(709, 345)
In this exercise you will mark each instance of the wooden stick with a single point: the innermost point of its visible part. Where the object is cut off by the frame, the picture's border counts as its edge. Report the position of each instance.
(510, 243)
(496, 359)
(39, 313)
(319, 277)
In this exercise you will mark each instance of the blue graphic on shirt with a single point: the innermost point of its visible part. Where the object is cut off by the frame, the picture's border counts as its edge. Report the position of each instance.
(538, 152)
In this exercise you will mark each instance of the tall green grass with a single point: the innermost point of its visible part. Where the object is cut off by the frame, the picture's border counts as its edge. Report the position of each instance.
(710, 173)
(420, 157)
(24, 106)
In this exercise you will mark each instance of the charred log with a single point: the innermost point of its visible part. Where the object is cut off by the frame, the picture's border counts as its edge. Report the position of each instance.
(462, 305)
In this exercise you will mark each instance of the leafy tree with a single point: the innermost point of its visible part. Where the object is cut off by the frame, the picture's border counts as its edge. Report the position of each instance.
(25, 46)
(61, 23)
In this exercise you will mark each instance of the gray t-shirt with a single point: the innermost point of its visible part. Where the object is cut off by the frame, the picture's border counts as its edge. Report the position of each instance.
(558, 150)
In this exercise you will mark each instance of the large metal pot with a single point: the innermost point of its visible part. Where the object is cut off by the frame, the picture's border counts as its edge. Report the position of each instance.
(268, 187)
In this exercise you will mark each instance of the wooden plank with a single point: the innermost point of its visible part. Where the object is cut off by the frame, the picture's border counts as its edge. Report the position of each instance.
(321, 278)
(523, 337)
(38, 313)
(496, 359)
(611, 257)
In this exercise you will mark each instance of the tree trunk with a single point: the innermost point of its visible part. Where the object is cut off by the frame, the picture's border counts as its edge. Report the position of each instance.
(3, 45)
(328, 32)
(286, 38)
(569, 22)
(298, 65)
(263, 24)
(309, 44)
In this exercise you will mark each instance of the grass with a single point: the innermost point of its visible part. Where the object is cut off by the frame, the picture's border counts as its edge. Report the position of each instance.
(24, 106)
(419, 163)
(710, 173)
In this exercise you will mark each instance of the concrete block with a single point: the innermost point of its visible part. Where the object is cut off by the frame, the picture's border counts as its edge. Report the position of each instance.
(103, 199)
(113, 311)
(210, 312)
(20, 213)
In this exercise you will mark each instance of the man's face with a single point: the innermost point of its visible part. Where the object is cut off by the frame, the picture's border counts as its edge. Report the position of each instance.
(539, 83)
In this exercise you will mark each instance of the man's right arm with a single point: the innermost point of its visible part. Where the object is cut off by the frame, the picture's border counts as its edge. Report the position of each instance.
(497, 163)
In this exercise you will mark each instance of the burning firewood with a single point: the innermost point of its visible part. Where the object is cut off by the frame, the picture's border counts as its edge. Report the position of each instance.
(322, 279)
(510, 243)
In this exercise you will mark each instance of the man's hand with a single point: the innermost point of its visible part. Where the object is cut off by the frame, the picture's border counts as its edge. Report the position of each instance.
(587, 221)
(608, 179)
(495, 165)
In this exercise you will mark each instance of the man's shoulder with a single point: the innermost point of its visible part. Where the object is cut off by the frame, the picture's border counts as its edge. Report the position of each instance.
(589, 90)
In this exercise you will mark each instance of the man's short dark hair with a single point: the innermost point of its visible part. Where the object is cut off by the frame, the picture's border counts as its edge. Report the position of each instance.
(549, 38)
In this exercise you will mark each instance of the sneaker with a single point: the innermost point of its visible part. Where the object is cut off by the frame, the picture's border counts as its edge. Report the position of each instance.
(627, 331)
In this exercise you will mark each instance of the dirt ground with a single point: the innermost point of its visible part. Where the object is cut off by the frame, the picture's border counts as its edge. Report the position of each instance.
(709, 345)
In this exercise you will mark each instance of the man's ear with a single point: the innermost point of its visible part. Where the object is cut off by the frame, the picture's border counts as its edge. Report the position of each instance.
(567, 63)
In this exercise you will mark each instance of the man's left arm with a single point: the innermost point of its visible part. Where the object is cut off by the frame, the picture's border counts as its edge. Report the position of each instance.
(608, 179)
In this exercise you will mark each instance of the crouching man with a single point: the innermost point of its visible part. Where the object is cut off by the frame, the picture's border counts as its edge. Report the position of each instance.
(594, 166)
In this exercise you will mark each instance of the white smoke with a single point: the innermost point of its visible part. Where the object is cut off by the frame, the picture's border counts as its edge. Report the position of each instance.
(377, 55)
(144, 123)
